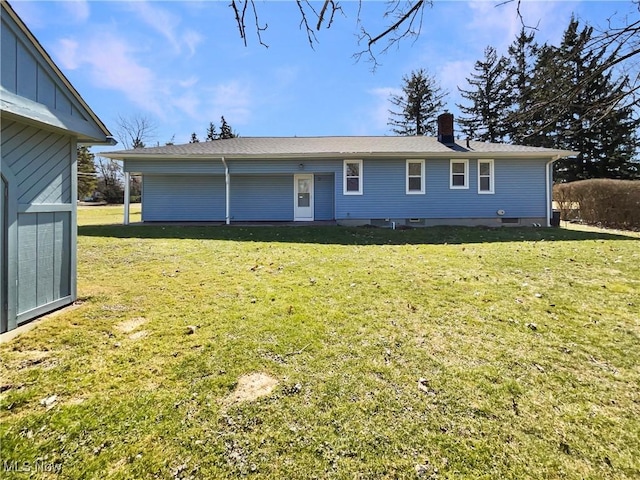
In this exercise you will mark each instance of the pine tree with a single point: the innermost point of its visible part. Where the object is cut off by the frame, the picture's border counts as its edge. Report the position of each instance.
(212, 134)
(583, 109)
(484, 118)
(418, 106)
(225, 130)
(87, 178)
(523, 53)
(194, 138)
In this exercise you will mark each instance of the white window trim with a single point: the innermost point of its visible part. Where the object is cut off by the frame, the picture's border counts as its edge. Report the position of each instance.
(344, 178)
(422, 177)
(491, 177)
(466, 174)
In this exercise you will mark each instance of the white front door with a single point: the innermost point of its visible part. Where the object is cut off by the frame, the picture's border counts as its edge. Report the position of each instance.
(303, 197)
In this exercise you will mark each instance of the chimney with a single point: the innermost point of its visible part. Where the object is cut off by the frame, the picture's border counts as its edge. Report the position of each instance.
(445, 128)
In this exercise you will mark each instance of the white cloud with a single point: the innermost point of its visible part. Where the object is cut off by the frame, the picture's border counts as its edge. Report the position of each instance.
(453, 75)
(497, 24)
(233, 100)
(112, 65)
(77, 11)
(67, 53)
(168, 25)
(188, 82)
(379, 111)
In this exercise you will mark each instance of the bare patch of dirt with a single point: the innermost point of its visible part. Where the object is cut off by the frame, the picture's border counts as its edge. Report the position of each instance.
(139, 335)
(251, 387)
(32, 358)
(130, 325)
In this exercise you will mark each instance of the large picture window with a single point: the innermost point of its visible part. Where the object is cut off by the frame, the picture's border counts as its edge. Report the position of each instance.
(485, 176)
(352, 177)
(415, 177)
(459, 174)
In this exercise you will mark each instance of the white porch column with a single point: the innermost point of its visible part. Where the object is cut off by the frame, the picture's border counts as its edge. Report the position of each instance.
(227, 189)
(127, 182)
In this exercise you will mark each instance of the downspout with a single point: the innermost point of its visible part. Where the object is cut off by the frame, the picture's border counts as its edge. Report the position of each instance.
(549, 199)
(227, 191)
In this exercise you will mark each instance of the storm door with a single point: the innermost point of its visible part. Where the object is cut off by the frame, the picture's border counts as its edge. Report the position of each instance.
(303, 197)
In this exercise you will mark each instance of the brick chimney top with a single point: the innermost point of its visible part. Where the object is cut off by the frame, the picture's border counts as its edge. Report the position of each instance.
(445, 128)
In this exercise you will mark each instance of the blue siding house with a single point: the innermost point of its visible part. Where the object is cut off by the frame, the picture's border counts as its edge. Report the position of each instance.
(43, 120)
(381, 181)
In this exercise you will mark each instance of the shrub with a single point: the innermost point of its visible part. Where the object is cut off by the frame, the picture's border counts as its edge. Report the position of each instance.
(600, 201)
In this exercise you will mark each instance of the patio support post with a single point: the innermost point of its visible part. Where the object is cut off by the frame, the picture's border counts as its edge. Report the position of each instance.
(227, 191)
(127, 182)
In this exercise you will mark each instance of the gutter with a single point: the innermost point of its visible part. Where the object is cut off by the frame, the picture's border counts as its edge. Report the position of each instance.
(333, 155)
(227, 191)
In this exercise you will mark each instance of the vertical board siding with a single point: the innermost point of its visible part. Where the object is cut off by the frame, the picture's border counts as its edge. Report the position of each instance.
(27, 262)
(46, 93)
(46, 256)
(262, 197)
(183, 198)
(25, 73)
(323, 188)
(44, 262)
(8, 44)
(4, 267)
(41, 162)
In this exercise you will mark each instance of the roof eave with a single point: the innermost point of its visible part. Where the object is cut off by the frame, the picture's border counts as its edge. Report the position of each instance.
(554, 154)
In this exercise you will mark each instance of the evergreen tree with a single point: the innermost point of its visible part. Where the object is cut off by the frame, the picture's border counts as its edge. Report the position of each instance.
(523, 53)
(225, 130)
(194, 138)
(87, 178)
(583, 109)
(418, 105)
(212, 134)
(484, 118)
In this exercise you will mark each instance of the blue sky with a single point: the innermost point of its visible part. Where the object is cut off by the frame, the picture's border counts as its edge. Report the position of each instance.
(183, 64)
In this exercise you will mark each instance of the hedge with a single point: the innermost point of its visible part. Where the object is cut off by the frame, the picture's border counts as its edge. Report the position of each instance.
(600, 201)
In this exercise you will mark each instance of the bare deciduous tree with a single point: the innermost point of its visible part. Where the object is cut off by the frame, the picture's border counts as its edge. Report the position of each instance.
(405, 18)
(135, 131)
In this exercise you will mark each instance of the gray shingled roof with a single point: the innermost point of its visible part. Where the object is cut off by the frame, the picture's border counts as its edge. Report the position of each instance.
(251, 147)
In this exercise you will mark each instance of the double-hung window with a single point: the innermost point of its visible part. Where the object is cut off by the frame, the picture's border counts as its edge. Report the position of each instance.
(352, 181)
(415, 177)
(485, 176)
(459, 174)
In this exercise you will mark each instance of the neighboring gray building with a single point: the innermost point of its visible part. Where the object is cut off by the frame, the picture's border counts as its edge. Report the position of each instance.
(43, 120)
(381, 181)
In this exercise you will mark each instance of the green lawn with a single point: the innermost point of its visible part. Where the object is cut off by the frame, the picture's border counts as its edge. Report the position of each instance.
(440, 353)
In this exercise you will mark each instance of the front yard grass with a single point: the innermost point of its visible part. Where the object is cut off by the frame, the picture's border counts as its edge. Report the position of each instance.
(441, 353)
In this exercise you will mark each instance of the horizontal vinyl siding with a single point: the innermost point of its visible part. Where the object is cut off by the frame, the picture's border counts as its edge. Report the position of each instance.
(519, 190)
(259, 190)
(236, 167)
(262, 198)
(174, 166)
(183, 198)
(323, 190)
